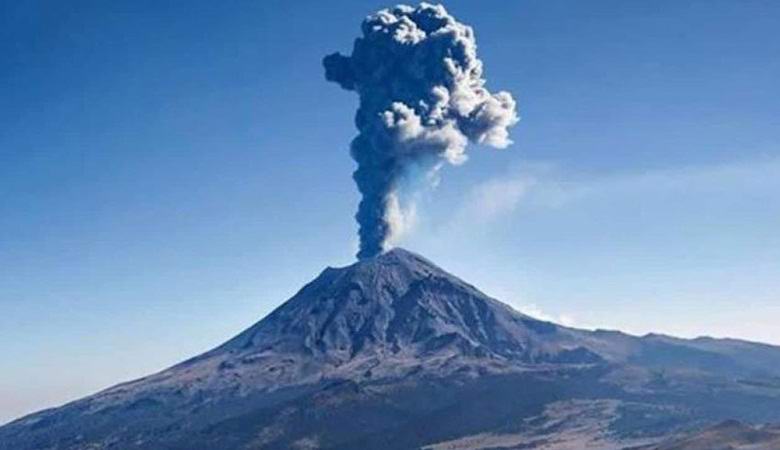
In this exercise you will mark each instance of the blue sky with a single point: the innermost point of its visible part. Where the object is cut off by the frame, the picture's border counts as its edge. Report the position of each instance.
(171, 173)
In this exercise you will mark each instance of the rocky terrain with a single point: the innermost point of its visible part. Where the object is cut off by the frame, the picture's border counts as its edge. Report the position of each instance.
(729, 435)
(395, 353)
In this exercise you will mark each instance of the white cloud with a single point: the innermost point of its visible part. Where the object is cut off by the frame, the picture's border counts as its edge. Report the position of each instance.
(402, 219)
(497, 197)
(756, 175)
(659, 232)
(546, 186)
(492, 200)
(533, 310)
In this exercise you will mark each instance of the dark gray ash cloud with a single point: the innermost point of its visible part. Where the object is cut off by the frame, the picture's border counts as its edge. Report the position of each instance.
(422, 100)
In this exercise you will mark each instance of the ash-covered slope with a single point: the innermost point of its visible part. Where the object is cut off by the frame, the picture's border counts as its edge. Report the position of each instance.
(400, 306)
(729, 435)
(393, 352)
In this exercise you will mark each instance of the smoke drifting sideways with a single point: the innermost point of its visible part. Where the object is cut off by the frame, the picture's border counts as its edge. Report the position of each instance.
(422, 100)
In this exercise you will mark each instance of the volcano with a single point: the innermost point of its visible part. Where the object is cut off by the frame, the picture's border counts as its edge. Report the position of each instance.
(393, 352)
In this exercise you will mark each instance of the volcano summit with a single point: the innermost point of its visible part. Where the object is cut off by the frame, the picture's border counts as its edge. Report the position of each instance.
(393, 352)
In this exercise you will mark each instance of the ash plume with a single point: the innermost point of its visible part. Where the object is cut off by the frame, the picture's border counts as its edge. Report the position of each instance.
(422, 100)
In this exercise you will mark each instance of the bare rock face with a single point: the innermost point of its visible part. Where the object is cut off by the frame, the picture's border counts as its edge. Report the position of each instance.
(728, 435)
(395, 353)
(399, 307)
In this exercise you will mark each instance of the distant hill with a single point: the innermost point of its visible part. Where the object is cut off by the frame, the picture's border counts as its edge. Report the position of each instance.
(395, 353)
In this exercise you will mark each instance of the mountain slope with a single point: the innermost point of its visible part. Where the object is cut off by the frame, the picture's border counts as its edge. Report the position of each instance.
(729, 435)
(387, 353)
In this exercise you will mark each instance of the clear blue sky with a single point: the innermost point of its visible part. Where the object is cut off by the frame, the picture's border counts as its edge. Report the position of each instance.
(172, 171)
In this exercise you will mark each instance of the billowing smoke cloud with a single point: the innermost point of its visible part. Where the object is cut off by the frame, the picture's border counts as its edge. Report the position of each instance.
(422, 100)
